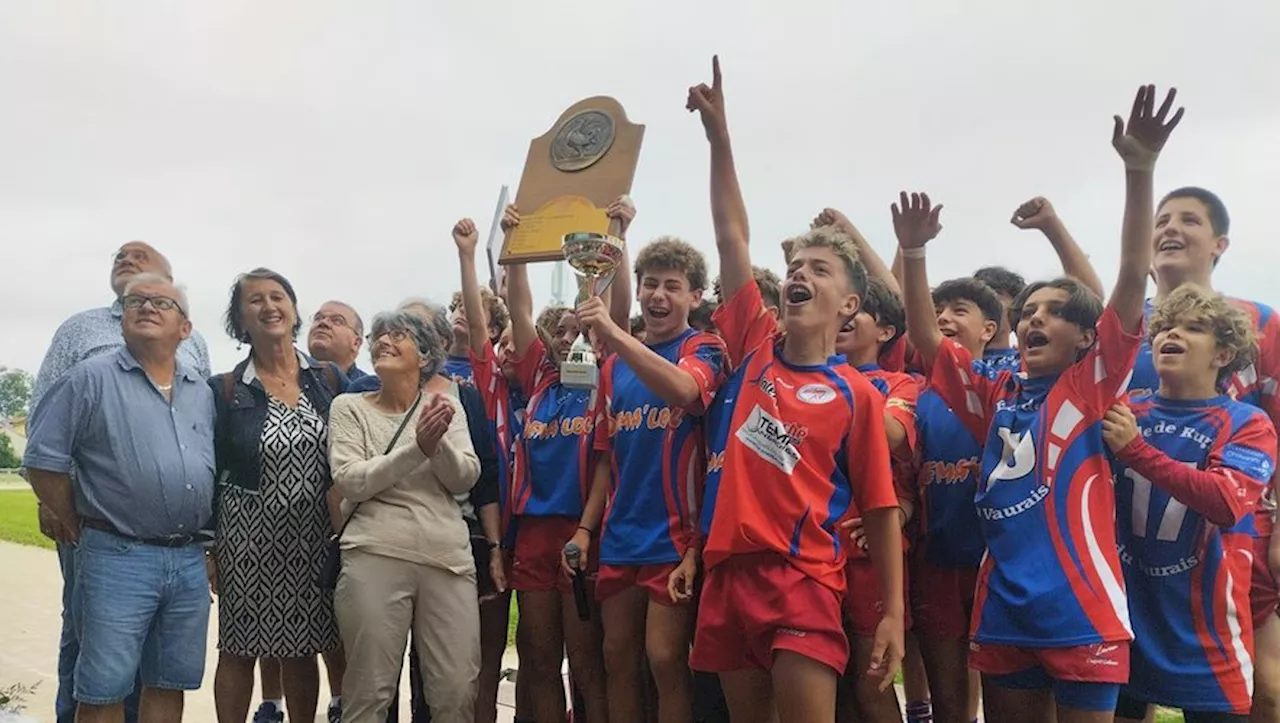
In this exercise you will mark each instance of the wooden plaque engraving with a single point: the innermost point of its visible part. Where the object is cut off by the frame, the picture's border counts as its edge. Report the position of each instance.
(572, 174)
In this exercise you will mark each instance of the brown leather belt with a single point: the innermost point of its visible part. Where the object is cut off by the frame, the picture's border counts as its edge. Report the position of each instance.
(170, 541)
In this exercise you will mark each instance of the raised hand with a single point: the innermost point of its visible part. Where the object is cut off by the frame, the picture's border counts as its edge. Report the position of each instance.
(1140, 140)
(624, 210)
(1119, 427)
(466, 236)
(709, 102)
(831, 217)
(1037, 213)
(915, 220)
(594, 314)
(510, 218)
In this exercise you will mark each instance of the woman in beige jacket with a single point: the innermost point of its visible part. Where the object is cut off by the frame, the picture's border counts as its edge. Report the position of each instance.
(407, 566)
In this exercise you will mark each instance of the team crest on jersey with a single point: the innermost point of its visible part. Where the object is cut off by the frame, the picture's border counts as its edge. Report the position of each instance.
(1018, 458)
(769, 438)
(816, 394)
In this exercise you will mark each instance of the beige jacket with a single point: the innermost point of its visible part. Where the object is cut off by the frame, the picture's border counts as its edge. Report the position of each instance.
(407, 505)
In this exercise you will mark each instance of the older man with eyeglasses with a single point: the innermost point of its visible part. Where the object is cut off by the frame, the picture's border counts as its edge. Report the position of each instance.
(84, 335)
(137, 426)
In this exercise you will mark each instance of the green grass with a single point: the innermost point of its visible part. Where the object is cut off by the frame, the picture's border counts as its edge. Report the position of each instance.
(18, 522)
(1164, 715)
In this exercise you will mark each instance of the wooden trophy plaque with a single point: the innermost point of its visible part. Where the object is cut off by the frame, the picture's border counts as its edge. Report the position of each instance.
(572, 174)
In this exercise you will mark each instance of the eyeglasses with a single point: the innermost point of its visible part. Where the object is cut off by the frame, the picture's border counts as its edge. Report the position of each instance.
(332, 319)
(397, 335)
(159, 303)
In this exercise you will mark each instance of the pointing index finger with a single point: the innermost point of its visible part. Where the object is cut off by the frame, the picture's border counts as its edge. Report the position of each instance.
(715, 72)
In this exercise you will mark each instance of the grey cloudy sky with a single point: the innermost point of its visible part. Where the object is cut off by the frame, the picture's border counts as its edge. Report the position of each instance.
(338, 142)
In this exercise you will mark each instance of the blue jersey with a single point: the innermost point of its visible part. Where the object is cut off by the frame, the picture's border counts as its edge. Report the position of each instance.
(1051, 577)
(1003, 360)
(458, 368)
(1188, 579)
(552, 469)
(657, 454)
(947, 480)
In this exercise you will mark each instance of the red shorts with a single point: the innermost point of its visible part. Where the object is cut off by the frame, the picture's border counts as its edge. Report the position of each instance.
(942, 599)
(863, 602)
(1264, 597)
(755, 605)
(1094, 663)
(613, 579)
(535, 559)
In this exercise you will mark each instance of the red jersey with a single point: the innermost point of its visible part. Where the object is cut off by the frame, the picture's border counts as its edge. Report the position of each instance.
(790, 448)
(1259, 385)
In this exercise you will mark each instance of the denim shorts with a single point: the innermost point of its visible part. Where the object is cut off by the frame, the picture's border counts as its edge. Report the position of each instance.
(138, 609)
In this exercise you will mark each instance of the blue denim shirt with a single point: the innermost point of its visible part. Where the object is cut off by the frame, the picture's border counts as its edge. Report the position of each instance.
(97, 331)
(241, 403)
(143, 463)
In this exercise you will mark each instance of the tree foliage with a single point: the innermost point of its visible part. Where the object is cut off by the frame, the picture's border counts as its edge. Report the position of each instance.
(15, 392)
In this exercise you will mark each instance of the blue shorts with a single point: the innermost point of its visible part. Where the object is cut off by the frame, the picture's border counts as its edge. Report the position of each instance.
(138, 608)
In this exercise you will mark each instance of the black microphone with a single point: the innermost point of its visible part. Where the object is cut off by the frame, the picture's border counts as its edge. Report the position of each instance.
(573, 556)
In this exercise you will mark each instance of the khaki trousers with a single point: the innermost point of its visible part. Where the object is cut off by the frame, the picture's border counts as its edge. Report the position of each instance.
(379, 602)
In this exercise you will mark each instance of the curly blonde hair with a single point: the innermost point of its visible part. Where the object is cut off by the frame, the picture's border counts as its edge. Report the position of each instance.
(829, 237)
(495, 310)
(1231, 327)
(668, 253)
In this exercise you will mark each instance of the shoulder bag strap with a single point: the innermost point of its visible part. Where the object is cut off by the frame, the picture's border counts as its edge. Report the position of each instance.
(390, 446)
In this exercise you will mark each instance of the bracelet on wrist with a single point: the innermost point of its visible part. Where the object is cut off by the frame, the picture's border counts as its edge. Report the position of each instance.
(587, 530)
(914, 253)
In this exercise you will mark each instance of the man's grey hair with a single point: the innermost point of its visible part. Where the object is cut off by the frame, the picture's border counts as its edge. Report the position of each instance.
(436, 314)
(359, 327)
(425, 337)
(150, 277)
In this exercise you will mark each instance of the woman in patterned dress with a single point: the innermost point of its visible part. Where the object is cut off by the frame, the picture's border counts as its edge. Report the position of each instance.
(271, 506)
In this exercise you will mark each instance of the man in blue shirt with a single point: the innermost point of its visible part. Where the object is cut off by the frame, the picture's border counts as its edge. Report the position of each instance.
(137, 427)
(82, 336)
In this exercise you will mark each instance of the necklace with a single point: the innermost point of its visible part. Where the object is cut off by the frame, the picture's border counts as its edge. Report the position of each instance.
(164, 387)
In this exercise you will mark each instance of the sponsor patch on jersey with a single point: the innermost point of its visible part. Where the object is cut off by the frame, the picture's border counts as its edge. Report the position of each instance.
(768, 437)
(1250, 461)
(816, 394)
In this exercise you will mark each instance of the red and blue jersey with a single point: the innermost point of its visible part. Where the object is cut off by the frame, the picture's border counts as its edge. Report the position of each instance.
(950, 460)
(657, 454)
(552, 469)
(1046, 504)
(458, 368)
(1187, 578)
(900, 392)
(790, 447)
(505, 408)
(1257, 384)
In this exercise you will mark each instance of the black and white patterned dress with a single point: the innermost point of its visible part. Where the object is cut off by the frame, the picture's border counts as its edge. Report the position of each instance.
(272, 544)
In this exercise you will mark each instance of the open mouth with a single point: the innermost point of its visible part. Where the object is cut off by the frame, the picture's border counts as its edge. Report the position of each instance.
(1171, 244)
(1035, 339)
(1169, 347)
(657, 312)
(271, 318)
(798, 294)
(948, 332)
(849, 326)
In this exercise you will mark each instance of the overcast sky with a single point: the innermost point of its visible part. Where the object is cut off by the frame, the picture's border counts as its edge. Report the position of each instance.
(338, 142)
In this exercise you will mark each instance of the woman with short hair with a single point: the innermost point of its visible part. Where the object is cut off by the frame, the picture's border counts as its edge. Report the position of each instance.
(399, 456)
(271, 516)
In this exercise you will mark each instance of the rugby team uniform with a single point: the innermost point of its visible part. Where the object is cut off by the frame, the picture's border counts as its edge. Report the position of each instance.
(1259, 385)
(552, 472)
(949, 548)
(1050, 607)
(505, 409)
(657, 457)
(866, 608)
(790, 447)
(1187, 578)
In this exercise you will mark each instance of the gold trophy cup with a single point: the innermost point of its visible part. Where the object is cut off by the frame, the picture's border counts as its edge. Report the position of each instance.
(594, 258)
